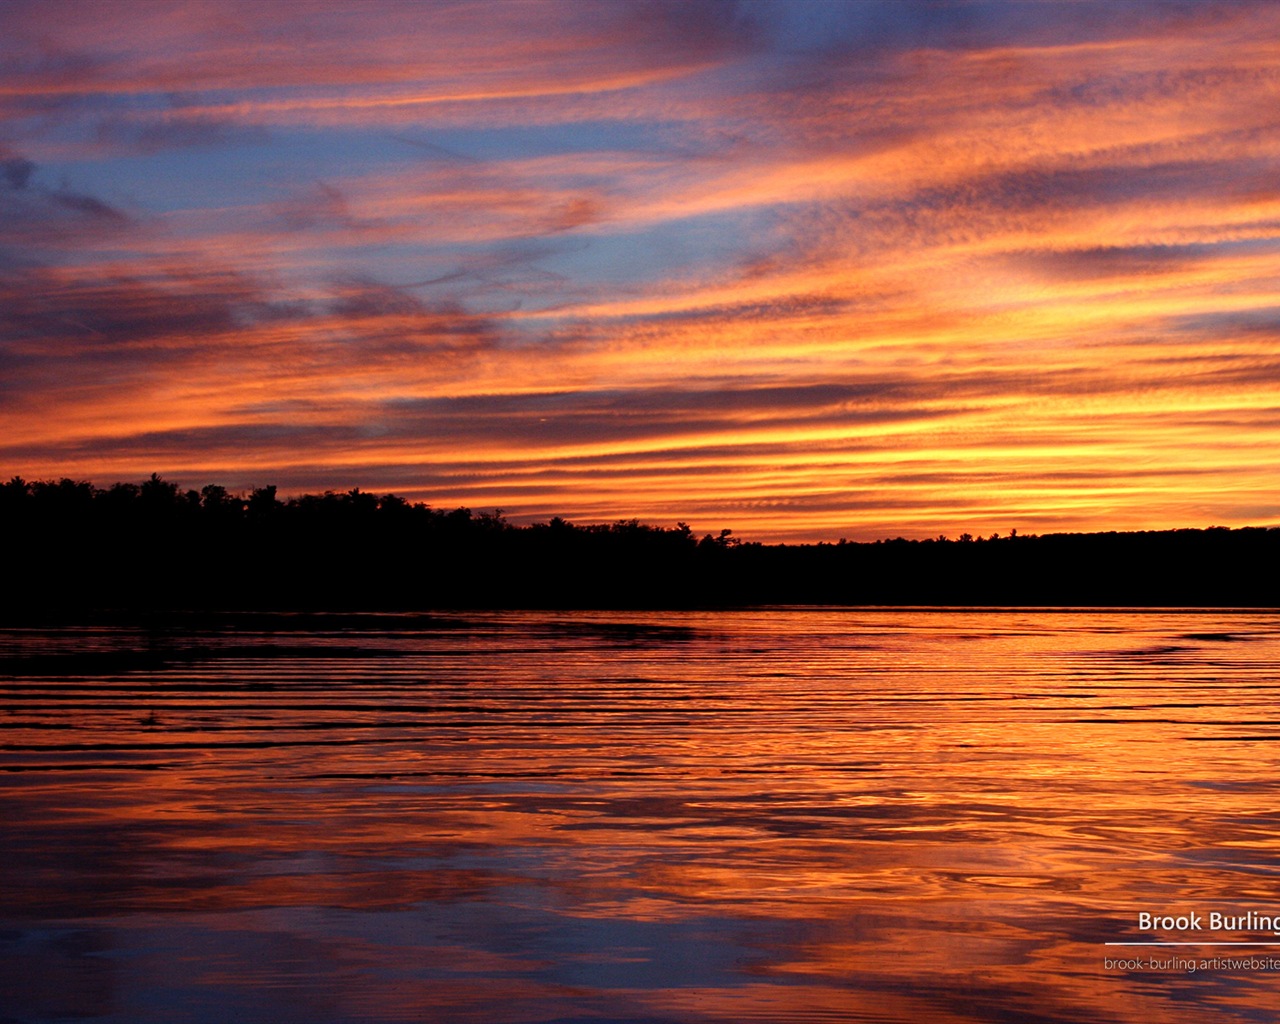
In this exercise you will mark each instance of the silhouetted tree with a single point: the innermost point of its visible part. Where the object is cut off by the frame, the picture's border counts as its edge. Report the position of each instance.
(156, 546)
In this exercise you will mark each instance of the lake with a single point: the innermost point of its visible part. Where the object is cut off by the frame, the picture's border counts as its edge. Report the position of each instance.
(780, 815)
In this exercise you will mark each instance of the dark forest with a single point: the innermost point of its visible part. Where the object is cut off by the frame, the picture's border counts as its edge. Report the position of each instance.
(74, 547)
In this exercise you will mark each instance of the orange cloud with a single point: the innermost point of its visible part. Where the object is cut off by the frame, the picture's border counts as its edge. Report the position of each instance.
(686, 267)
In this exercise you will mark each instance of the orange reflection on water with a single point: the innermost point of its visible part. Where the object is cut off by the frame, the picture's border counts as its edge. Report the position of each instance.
(783, 815)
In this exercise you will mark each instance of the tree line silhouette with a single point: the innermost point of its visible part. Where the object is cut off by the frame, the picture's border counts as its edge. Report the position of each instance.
(74, 546)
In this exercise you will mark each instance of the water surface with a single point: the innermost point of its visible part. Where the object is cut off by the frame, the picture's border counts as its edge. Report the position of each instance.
(780, 816)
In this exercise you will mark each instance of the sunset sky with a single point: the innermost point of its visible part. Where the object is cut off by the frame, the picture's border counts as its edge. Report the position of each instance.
(805, 270)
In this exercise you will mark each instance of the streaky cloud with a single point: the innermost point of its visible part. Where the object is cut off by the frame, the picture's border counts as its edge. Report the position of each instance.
(807, 269)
